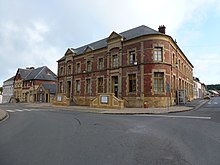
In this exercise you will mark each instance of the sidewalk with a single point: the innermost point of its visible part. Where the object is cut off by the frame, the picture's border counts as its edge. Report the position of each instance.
(130, 111)
(3, 115)
(195, 104)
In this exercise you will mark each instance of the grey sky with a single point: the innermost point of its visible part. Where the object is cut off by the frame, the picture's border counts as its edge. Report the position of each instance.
(38, 32)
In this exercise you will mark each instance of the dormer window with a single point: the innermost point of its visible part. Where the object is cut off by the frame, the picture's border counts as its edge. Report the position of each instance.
(89, 66)
(69, 70)
(115, 61)
(101, 64)
(61, 71)
(78, 70)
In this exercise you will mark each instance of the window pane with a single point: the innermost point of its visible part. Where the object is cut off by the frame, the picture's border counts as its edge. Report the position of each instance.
(100, 85)
(158, 82)
(158, 54)
(115, 61)
(132, 82)
(132, 57)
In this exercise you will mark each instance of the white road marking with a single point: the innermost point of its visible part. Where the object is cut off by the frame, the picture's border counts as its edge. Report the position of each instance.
(19, 110)
(215, 103)
(172, 116)
(10, 110)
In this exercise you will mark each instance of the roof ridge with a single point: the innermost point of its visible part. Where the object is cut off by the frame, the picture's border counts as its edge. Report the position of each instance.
(40, 71)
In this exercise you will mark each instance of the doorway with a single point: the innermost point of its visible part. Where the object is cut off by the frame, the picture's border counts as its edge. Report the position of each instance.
(68, 88)
(115, 85)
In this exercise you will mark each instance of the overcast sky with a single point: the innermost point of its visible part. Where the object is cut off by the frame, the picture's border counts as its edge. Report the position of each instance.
(38, 32)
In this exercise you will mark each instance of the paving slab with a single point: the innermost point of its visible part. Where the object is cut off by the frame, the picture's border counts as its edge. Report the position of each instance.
(172, 109)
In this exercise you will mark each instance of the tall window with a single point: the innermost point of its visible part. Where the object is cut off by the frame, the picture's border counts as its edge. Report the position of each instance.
(78, 70)
(115, 61)
(100, 85)
(158, 54)
(77, 86)
(69, 70)
(88, 86)
(132, 57)
(101, 63)
(89, 66)
(174, 61)
(61, 71)
(61, 87)
(158, 82)
(132, 82)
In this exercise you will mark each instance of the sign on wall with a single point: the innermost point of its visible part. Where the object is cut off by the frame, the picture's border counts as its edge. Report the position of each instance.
(104, 99)
(59, 98)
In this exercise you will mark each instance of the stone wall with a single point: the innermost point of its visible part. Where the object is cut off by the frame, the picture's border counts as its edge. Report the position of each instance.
(107, 101)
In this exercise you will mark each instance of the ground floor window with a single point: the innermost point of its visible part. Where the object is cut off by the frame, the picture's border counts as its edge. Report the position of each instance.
(77, 86)
(61, 87)
(132, 82)
(88, 86)
(158, 82)
(100, 85)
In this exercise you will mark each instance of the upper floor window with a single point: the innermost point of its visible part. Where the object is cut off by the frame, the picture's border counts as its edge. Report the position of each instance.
(78, 70)
(115, 61)
(158, 54)
(88, 86)
(158, 82)
(132, 57)
(61, 71)
(89, 66)
(174, 60)
(101, 63)
(132, 82)
(69, 70)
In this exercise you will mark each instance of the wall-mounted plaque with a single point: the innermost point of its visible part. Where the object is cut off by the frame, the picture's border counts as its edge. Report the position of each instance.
(104, 99)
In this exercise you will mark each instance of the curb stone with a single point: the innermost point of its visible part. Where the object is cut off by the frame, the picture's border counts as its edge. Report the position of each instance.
(3, 115)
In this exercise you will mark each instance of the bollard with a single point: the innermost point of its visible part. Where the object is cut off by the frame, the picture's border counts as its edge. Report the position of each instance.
(145, 104)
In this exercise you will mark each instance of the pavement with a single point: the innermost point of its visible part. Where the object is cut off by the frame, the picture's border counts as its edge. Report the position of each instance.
(3, 115)
(195, 104)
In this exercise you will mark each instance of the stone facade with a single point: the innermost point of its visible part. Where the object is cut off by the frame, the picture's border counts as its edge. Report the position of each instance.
(139, 66)
(28, 81)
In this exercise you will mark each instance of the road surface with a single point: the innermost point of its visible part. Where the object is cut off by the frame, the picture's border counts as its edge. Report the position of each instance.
(56, 137)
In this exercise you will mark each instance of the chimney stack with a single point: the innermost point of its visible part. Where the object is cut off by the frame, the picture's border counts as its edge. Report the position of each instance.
(162, 29)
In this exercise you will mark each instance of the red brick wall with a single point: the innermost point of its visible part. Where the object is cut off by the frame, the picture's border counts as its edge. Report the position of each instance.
(142, 47)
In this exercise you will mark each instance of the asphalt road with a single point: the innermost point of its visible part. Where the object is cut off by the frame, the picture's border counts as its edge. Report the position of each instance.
(53, 137)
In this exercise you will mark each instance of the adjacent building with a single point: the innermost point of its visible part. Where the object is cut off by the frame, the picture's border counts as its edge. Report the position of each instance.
(27, 82)
(0, 97)
(139, 66)
(199, 89)
(46, 92)
(8, 90)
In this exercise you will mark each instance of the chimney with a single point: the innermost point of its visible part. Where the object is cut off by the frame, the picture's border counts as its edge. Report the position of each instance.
(162, 29)
(31, 68)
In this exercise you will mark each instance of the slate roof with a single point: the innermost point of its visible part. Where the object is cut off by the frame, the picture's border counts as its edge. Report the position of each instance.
(51, 87)
(10, 79)
(24, 72)
(127, 35)
(41, 73)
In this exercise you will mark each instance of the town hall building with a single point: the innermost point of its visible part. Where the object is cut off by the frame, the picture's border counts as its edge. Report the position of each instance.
(140, 67)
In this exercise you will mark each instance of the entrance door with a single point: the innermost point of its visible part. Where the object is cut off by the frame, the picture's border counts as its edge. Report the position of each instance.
(68, 88)
(115, 85)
